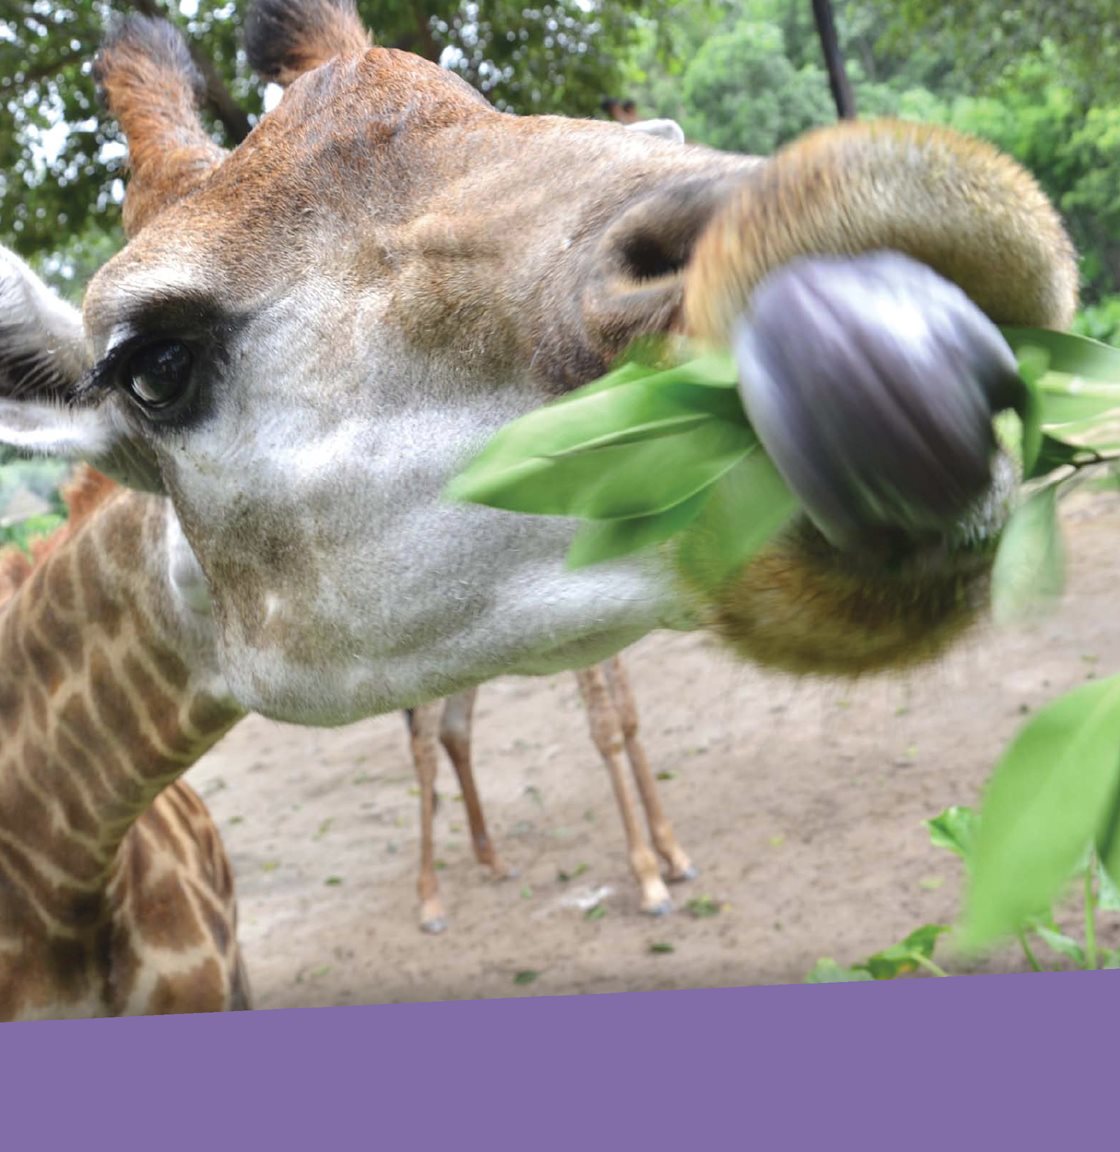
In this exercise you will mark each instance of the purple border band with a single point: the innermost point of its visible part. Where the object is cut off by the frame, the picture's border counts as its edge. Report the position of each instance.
(958, 1064)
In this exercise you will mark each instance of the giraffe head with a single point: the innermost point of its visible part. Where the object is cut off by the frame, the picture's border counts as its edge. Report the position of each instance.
(306, 337)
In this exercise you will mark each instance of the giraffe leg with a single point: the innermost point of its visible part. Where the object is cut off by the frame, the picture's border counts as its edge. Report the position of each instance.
(664, 840)
(606, 731)
(423, 725)
(455, 735)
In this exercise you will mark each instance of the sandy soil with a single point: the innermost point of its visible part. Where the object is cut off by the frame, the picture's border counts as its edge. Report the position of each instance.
(801, 803)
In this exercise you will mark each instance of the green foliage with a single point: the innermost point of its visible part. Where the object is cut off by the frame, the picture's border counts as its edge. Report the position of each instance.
(558, 57)
(742, 92)
(986, 37)
(25, 531)
(1051, 797)
(827, 971)
(1030, 563)
(955, 830)
(644, 454)
(909, 955)
(1100, 321)
(42, 478)
(959, 830)
(60, 157)
(654, 451)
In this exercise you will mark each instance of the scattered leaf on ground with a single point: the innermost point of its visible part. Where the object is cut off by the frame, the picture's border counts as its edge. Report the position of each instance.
(827, 971)
(703, 906)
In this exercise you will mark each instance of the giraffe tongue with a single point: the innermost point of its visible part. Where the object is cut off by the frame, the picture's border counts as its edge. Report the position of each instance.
(872, 383)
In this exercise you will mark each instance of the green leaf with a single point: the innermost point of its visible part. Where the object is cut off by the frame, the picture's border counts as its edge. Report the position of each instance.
(1052, 455)
(827, 971)
(743, 512)
(1108, 893)
(632, 478)
(1110, 959)
(1033, 363)
(901, 959)
(1073, 386)
(955, 829)
(714, 370)
(1071, 406)
(651, 430)
(922, 941)
(1046, 800)
(1107, 848)
(1029, 567)
(1068, 354)
(526, 976)
(599, 540)
(635, 443)
(661, 948)
(702, 907)
(633, 404)
(1062, 944)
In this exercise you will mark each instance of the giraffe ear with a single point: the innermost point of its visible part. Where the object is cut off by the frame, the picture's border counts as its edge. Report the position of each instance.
(42, 342)
(43, 354)
(95, 435)
(50, 429)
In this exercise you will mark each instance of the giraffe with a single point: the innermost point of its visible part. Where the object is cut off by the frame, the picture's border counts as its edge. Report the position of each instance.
(307, 336)
(116, 896)
(613, 719)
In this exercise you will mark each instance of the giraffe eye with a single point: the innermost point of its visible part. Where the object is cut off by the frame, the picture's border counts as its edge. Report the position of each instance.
(159, 374)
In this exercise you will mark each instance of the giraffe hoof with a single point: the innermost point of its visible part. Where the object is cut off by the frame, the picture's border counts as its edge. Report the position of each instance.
(679, 876)
(433, 926)
(661, 908)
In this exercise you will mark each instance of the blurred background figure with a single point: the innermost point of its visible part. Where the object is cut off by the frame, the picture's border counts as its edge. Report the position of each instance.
(623, 111)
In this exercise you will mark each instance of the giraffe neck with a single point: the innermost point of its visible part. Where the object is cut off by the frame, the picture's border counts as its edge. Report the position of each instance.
(109, 690)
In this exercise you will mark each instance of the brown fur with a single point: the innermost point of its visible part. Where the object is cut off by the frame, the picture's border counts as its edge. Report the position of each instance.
(913, 188)
(285, 38)
(15, 567)
(103, 869)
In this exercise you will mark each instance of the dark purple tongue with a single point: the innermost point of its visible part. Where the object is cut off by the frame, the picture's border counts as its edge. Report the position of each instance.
(872, 383)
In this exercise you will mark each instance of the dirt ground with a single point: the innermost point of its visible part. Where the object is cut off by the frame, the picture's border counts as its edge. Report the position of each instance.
(800, 802)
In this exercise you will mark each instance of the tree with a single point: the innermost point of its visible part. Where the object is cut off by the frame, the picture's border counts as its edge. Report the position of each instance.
(989, 36)
(743, 93)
